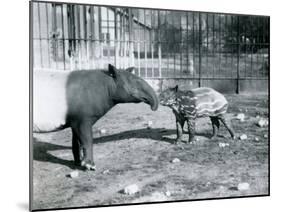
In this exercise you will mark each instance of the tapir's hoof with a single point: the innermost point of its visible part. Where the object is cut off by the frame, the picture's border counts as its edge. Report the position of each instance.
(88, 166)
(192, 140)
(177, 141)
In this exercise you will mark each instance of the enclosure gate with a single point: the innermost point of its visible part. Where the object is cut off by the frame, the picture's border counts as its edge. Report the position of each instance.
(161, 44)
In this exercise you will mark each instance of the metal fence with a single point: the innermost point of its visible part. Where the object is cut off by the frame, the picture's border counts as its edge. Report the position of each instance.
(159, 43)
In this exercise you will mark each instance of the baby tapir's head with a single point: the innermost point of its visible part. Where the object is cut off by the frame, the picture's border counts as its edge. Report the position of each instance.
(168, 96)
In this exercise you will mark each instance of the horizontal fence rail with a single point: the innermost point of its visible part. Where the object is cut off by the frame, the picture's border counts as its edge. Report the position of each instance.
(160, 44)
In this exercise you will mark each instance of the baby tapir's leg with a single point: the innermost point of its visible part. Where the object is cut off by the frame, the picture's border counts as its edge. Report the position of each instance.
(227, 125)
(191, 129)
(215, 125)
(180, 123)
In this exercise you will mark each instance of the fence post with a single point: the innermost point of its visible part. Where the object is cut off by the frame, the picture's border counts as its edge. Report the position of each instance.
(159, 46)
(200, 61)
(131, 44)
(238, 57)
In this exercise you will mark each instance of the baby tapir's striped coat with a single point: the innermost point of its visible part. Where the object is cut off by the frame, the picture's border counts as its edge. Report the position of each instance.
(199, 102)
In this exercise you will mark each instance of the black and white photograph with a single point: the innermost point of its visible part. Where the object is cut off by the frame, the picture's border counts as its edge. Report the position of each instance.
(136, 105)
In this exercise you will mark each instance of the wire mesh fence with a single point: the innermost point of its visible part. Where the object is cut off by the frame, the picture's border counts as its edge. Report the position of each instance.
(159, 43)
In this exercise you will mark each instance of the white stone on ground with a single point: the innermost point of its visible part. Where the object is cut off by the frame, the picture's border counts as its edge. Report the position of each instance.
(175, 160)
(168, 193)
(222, 145)
(149, 124)
(243, 186)
(241, 116)
(102, 131)
(243, 137)
(73, 174)
(131, 189)
(262, 123)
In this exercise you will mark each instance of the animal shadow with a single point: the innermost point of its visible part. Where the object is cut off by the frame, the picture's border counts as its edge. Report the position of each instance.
(154, 134)
(41, 153)
(41, 150)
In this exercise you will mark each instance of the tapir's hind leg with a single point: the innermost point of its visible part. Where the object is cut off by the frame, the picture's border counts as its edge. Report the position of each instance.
(215, 125)
(191, 129)
(83, 131)
(227, 124)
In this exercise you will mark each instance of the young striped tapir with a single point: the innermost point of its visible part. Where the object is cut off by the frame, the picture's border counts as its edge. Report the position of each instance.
(78, 99)
(195, 103)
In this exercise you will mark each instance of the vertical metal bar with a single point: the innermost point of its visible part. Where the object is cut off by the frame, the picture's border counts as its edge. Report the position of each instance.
(63, 37)
(167, 44)
(151, 43)
(251, 44)
(231, 44)
(100, 37)
(207, 51)
(174, 40)
(107, 35)
(79, 36)
(214, 40)
(48, 34)
(225, 52)
(85, 34)
(187, 43)
(159, 46)
(115, 37)
(139, 65)
(238, 56)
(90, 33)
(219, 52)
(145, 42)
(40, 37)
(181, 43)
(193, 39)
(54, 37)
(200, 62)
(131, 44)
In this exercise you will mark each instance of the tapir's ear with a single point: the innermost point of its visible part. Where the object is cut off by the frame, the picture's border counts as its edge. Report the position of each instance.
(112, 70)
(176, 88)
(130, 69)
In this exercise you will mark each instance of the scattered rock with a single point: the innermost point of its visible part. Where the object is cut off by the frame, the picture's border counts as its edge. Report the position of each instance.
(243, 137)
(262, 123)
(240, 116)
(105, 171)
(73, 174)
(265, 136)
(222, 145)
(208, 183)
(102, 131)
(168, 193)
(243, 186)
(175, 160)
(257, 139)
(258, 117)
(131, 189)
(149, 124)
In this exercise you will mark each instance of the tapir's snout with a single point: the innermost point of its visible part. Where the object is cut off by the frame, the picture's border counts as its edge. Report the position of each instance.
(152, 99)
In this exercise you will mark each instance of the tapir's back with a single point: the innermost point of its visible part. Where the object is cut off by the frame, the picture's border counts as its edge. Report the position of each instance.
(203, 101)
(209, 102)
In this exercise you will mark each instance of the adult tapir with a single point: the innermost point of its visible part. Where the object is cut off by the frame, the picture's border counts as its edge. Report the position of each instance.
(78, 99)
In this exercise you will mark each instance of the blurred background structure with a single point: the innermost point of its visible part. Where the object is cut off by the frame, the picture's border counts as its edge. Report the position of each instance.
(225, 51)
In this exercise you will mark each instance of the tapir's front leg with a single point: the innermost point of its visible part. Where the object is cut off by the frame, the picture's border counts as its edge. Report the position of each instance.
(83, 131)
(76, 149)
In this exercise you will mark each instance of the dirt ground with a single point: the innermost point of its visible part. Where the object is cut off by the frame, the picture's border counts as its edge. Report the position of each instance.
(130, 153)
